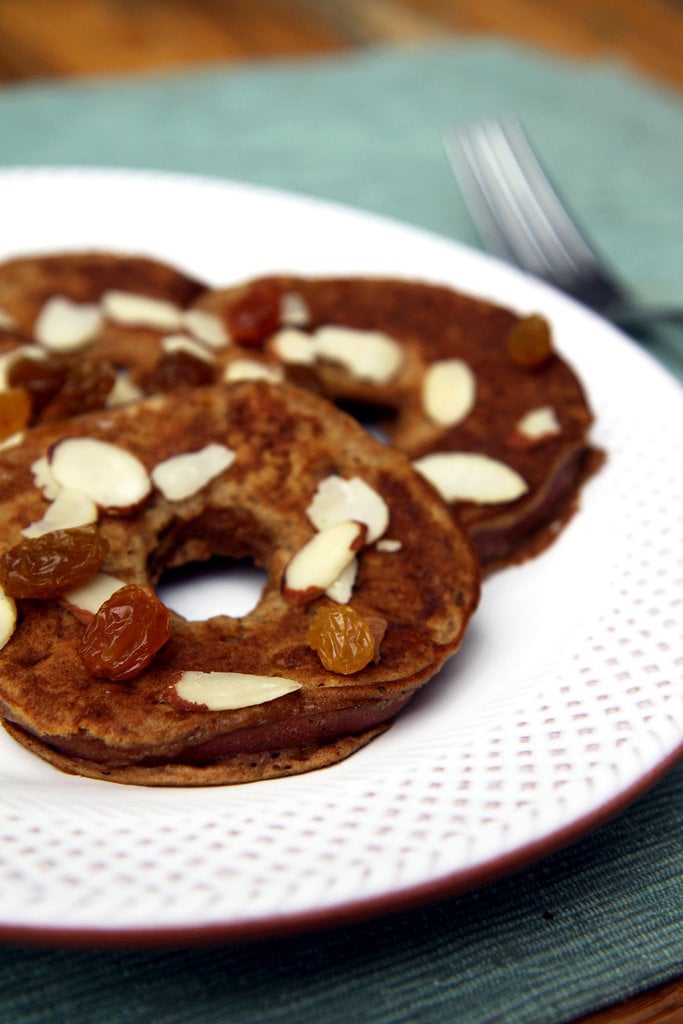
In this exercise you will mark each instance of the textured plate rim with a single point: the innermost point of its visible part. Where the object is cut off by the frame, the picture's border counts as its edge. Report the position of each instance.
(342, 914)
(449, 883)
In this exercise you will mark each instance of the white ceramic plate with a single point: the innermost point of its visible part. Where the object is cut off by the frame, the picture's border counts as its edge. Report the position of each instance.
(564, 703)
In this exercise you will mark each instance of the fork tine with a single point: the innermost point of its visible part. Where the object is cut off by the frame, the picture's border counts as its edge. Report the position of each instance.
(543, 201)
(516, 209)
(472, 174)
(519, 214)
(499, 196)
(487, 193)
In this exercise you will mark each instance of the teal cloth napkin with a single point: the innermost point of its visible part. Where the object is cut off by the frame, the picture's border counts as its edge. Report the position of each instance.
(584, 927)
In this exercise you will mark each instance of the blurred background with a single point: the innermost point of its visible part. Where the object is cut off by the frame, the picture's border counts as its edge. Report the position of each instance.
(42, 39)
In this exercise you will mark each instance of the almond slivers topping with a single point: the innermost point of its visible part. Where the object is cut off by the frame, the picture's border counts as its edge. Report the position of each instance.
(90, 596)
(294, 311)
(173, 343)
(124, 391)
(341, 589)
(541, 422)
(468, 476)
(448, 391)
(228, 691)
(389, 545)
(294, 346)
(44, 478)
(66, 326)
(186, 474)
(252, 369)
(141, 310)
(206, 327)
(7, 321)
(337, 499)
(322, 558)
(367, 355)
(13, 440)
(70, 508)
(110, 475)
(8, 617)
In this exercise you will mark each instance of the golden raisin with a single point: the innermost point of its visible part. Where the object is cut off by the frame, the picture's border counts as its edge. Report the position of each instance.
(529, 343)
(44, 567)
(43, 379)
(15, 411)
(342, 639)
(85, 388)
(255, 314)
(125, 634)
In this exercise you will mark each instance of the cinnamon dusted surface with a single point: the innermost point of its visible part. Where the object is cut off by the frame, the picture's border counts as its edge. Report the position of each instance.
(286, 440)
(28, 282)
(430, 323)
(433, 323)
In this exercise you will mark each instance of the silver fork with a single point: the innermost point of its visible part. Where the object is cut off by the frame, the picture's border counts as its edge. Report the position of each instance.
(520, 216)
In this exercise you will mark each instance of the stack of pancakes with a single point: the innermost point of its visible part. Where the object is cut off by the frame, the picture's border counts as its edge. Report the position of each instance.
(487, 450)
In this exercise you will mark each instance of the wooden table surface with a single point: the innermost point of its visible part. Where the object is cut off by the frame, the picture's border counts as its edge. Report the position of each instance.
(69, 38)
(76, 38)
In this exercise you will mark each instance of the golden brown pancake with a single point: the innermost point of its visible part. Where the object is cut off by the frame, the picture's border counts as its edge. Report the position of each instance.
(549, 449)
(77, 376)
(430, 324)
(420, 579)
(27, 282)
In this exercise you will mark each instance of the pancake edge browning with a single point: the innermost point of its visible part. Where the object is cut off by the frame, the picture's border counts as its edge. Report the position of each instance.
(130, 732)
(433, 322)
(430, 322)
(237, 769)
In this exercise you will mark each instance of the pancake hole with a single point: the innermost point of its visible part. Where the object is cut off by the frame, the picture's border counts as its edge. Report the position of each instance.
(219, 586)
(376, 419)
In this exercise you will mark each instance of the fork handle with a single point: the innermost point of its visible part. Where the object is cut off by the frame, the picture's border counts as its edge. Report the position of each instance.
(634, 316)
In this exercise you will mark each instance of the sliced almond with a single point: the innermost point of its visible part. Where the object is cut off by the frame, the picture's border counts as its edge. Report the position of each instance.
(86, 600)
(183, 475)
(66, 326)
(8, 617)
(341, 589)
(467, 476)
(389, 544)
(7, 321)
(538, 423)
(70, 508)
(228, 691)
(252, 369)
(12, 441)
(449, 391)
(320, 561)
(206, 327)
(113, 477)
(294, 310)
(124, 391)
(367, 355)
(44, 478)
(173, 343)
(294, 346)
(337, 499)
(141, 311)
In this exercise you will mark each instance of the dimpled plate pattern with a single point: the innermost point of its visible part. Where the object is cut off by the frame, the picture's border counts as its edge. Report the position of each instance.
(563, 704)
